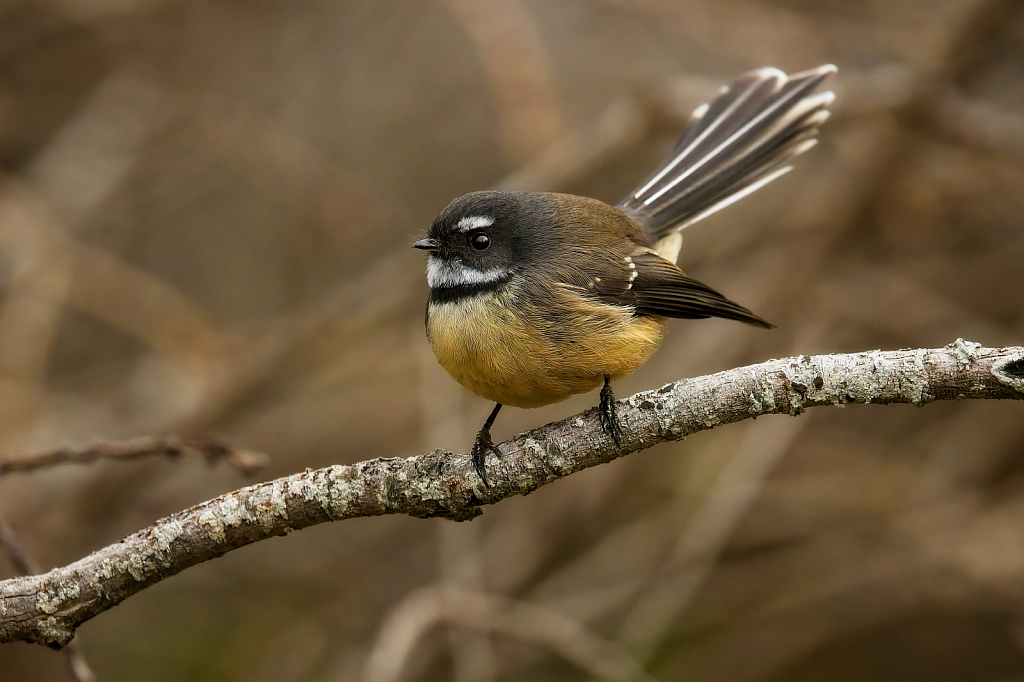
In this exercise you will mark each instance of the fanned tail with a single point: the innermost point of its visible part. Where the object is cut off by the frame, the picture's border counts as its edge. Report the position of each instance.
(732, 147)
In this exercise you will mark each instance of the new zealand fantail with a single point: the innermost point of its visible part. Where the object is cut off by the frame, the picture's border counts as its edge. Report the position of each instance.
(535, 297)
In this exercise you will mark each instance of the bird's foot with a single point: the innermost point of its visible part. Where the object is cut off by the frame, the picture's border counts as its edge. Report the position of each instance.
(481, 446)
(609, 417)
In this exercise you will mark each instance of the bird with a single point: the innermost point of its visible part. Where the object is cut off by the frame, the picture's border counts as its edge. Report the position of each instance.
(538, 296)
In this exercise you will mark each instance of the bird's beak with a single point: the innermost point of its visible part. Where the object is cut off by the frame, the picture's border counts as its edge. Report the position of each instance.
(431, 245)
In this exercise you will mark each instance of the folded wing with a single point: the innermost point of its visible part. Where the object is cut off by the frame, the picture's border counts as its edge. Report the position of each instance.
(654, 286)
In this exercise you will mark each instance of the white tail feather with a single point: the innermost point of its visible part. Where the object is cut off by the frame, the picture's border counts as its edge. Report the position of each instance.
(731, 148)
(747, 191)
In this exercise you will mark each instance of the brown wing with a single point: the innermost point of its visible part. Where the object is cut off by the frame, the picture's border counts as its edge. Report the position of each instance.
(654, 286)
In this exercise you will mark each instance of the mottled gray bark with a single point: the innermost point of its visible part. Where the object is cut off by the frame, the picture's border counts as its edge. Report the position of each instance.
(47, 608)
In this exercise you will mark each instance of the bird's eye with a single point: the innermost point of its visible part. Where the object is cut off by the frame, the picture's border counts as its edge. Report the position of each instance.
(480, 241)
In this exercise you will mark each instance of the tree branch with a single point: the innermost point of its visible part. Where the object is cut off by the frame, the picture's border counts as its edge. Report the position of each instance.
(47, 608)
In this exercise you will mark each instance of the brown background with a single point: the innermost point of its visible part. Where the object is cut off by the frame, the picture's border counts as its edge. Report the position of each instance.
(204, 217)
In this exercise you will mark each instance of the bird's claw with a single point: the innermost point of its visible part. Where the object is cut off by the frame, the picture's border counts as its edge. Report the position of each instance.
(481, 446)
(609, 416)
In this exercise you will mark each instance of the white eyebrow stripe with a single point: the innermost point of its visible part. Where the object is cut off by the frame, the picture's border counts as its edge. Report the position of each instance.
(473, 222)
(449, 273)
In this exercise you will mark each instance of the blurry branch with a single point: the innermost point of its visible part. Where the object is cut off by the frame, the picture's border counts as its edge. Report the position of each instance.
(431, 606)
(41, 273)
(695, 554)
(25, 565)
(51, 269)
(253, 360)
(213, 451)
(967, 45)
(141, 305)
(622, 125)
(989, 127)
(84, 162)
(518, 71)
(96, 149)
(47, 608)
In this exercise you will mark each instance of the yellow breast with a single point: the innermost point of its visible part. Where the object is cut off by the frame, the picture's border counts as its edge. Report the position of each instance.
(508, 352)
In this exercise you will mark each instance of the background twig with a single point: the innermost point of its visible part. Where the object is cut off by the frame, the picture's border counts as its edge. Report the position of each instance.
(210, 449)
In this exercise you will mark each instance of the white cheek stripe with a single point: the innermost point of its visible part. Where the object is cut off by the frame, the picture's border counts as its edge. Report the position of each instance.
(451, 273)
(473, 222)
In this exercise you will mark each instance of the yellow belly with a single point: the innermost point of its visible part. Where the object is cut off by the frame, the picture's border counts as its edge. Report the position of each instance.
(506, 353)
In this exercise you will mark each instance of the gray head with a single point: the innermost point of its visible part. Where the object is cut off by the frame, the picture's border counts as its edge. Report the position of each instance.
(483, 238)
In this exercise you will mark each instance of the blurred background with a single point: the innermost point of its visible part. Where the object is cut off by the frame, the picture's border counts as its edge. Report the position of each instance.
(205, 213)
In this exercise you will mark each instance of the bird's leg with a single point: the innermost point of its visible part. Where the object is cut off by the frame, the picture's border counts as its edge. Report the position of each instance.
(483, 444)
(609, 420)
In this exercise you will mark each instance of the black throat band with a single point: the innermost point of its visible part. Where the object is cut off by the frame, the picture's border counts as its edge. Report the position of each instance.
(459, 292)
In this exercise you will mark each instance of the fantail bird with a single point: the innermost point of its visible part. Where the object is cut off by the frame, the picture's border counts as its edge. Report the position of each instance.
(535, 297)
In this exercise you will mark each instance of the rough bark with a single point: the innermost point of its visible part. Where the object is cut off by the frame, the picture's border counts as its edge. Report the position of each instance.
(47, 608)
